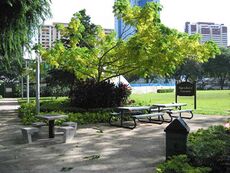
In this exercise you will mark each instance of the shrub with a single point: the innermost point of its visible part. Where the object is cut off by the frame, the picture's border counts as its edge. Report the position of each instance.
(90, 94)
(165, 90)
(209, 147)
(180, 164)
(27, 112)
(88, 117)
(57, 105)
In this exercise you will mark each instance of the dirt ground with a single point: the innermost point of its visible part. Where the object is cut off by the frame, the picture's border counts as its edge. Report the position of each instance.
(97, 148)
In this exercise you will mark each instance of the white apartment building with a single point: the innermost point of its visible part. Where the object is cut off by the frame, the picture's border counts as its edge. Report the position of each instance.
(48, 34)
(209, 31)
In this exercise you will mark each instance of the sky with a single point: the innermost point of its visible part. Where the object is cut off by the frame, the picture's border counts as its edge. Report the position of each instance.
(174, 13)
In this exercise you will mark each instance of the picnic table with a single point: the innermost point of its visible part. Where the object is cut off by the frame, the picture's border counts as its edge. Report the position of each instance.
(169, 105)
(133, 112)
(51, 118)
(168, 108)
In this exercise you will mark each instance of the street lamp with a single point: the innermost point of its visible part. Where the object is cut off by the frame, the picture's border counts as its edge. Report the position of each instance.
(22, 87)
(38, 60)
(27, 57)
(27, 82)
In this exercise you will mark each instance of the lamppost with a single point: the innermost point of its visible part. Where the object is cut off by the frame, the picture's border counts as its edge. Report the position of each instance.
(22, 87)
(27, 57)
(27, 82)
(38, 60)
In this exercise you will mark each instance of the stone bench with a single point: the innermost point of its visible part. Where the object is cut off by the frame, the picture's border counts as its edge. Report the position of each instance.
(28, 132)
(180, 112)
(69, 133)
(159, 116)
(72, 124)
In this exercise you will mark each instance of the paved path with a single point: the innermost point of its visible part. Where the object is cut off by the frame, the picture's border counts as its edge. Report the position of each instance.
(116, 150)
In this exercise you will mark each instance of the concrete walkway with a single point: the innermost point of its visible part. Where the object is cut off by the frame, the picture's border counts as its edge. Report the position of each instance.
(96, 148)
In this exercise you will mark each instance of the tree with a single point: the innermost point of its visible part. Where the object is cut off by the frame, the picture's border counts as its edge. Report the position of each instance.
(57, 78)
(66, 78)
(90, 30)
(19, 20)
(219, 67)
(153, 49)
(189, 70)
(10, 75)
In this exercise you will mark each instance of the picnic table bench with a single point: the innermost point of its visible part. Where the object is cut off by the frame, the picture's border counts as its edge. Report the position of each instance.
(136, 113)
(159, 115)
(168, 108)
(179, 112)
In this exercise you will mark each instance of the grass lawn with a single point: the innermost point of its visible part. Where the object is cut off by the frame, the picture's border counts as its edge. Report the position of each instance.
(209, 102)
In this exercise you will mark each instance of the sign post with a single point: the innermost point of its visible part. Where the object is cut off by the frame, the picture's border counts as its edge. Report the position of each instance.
(186, 89)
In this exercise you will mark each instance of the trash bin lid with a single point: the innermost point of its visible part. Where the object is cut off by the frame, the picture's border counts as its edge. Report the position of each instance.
(178, 125)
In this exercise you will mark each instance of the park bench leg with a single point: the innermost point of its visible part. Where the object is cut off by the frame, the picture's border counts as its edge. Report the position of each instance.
(120, 116)
(188, 117)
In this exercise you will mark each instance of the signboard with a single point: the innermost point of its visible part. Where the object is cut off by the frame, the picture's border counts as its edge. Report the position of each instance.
(8, 90)
(186, 89)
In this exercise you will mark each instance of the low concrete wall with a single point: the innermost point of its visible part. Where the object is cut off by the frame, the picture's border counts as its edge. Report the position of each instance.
(149, 89)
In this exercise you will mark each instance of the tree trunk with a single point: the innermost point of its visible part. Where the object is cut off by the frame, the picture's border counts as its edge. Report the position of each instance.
(222, 80)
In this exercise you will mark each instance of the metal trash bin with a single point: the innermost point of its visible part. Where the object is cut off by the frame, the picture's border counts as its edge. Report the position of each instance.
(176, 137)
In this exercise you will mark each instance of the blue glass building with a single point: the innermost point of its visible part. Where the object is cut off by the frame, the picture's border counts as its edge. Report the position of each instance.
(124, 31)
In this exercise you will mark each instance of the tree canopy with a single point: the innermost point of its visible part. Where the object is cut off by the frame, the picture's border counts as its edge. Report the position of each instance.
(189, 70)
(19, 19)
(219, 67)
(153, 49)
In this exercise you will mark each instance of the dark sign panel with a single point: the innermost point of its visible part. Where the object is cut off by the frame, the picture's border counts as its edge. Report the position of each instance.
(185, 89)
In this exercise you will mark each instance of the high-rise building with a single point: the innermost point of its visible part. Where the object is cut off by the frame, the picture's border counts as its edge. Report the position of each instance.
(124, 31)
(48, 34)
(209, 31)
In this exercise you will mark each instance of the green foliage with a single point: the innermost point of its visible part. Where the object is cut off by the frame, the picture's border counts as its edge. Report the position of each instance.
(60, 82)
(19, 19)
(157, 48)
(9, 71)
(165, 90)
(209, 147)
(90, 94)
(86, 51)
(89, 31)
(27, 112)
(180, 164)
(89, 117)
(219, 67)
(153, 49)
(190, 70)
(60, 104)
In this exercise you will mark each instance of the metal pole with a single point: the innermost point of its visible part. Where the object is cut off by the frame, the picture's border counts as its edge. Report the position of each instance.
(194, 95)
(27, 83)
(22, 87)
(38, 85)
(176, 92)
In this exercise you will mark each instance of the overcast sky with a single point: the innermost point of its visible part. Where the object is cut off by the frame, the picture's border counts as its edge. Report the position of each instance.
(174, 14)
